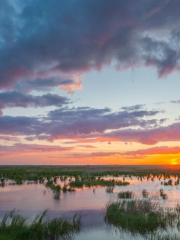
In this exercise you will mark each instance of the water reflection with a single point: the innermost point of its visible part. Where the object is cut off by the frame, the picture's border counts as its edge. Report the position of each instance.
(31, 198)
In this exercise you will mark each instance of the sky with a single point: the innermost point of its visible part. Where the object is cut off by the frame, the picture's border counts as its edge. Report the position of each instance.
(89, 82)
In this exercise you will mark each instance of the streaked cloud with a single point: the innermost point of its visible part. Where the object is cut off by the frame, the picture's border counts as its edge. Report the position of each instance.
(154, 151)
(19, 148)
(77, 123)
(148, 136)
(17, 99)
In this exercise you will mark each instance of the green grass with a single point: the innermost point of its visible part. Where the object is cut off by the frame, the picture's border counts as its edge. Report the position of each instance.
(169, 182)
(126, 194)
(57, 188)
(15, 227)
(163, 194)
(57, 195)
(38, 173)
(109, 189)
(96, 182)
(141, 216)
(145, 193)
(76, 184)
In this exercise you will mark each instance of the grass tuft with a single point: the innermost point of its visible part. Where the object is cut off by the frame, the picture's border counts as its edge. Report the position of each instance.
(126, 194)
(15, 227)
(141, 216)
(109, 189)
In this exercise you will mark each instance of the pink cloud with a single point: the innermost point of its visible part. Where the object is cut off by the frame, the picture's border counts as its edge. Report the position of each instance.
(30, 148)
(154, 151)
(148, 136)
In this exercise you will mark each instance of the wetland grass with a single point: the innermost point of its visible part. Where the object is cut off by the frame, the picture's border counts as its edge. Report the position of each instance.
(15, 227)
(57, 194)
(169, 182)
(96, 182)
(126, 194)
(50, 184)
(163, 195)
(161, 192)
(141, 216)
(166, 236)
(38, 173)
(145, 193)
(109, 189)
(57, 188)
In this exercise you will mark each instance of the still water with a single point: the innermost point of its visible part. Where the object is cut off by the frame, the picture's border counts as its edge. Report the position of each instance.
(31, 199)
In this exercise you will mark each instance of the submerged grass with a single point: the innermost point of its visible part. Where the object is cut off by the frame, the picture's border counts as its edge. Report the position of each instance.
(163, 194)
(145, 193)
(15, 227)
(126, 194)
(57, 189)
(141, 216)
(165, 236)
(79, 183)
(109, 189)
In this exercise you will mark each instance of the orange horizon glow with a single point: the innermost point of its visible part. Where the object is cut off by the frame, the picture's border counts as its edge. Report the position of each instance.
(92, 152)
(54, 159)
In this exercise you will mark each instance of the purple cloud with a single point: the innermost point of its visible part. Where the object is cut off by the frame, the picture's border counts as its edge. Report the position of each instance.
(148, 136)
(76, 123)
(39, 84)
(18, 99)
(153, 151)
(42, 39)
(30, 148)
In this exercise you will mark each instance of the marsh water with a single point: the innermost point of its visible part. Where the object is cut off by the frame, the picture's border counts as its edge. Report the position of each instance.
(32, 198)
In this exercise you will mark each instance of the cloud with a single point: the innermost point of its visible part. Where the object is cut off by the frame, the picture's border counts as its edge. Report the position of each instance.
(17, 99)
(68, 84)
(134, 107)
(43, 39)
(9, 138)
(175, 101)
(148, 136)
(76, 123)
(161, 54)
(86, 146)
(138, 154)
(19, 148)
(82, 121)
(86, 125)
(154, 151)
(93, 155)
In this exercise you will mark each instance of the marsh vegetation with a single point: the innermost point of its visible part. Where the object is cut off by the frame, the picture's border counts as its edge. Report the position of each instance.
(15, 227)
(139, 201)
(126, 194)
(142, 216)
(109, 189)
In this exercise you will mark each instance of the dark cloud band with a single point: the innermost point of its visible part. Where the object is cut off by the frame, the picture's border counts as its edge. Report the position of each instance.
(18, 99)
(42, 38)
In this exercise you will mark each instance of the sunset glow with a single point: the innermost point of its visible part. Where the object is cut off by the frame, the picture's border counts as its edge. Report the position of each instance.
(89, 84)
